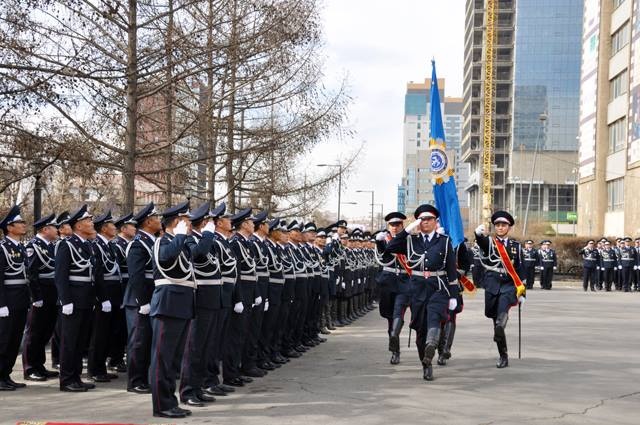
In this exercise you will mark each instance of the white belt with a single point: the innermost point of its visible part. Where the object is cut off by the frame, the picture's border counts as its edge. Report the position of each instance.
(160, 282)
(276, 280)
(249, 278)
(80, 278)
(262, 274)
(125, 275)
(112, 278)
(289, 276)
(46, 275)
(15, 282)
(209, 282)
(529, 259)
(326, 276)
(427, 274)
(228, 280)
(495, 269)
(547, 261)
(302, 275)
(148, 275)
(394, 270)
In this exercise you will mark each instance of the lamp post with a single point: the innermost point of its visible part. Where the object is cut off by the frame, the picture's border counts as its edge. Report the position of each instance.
(542, 118)
(381, 213)
(339, 181)
(372, 203)
(575, 199)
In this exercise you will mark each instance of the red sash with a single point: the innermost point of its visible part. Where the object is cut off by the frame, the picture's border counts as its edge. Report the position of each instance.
(402, 259)
(467, 283)
(506, 262)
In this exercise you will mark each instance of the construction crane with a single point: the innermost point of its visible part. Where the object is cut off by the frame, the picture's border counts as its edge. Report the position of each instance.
(489, 92)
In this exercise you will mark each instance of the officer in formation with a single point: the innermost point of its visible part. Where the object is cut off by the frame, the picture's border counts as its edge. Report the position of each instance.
(530, 263)
(590, 264)
(608, 265)
(501, 258)
(434, 280)
(547, 264)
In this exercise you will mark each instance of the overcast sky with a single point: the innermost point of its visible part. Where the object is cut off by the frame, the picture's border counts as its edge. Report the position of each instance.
(381, 46)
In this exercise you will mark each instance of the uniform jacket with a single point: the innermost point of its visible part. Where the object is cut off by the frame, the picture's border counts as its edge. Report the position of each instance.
(74, 272)
(140, 285)
(14, 292)
(41, 270)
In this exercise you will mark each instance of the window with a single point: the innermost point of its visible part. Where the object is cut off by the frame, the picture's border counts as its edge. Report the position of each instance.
(619, 39)
(615, 195)
(617, 135)
(418, 135)
(617, 3)
(618, 86)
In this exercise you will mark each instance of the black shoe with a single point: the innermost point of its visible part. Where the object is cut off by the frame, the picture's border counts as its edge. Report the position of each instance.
(226, 388)
(111, 375)
(173, 413)
(185, 411)
(276, 360)
(194, 402)
(442, 360)
(215, 390)
(331, 327)
(321, 339)
(395, 358)
(254, 373)
(120, 368)
(340, 323)
(100, 378)
(5, 386)
(74, 388)
(140, 389)
(427, 373)
(503, 362)
(207, 398)
(292, 354)
(35, 376)
(50, 373)
(235, 382)
(246, 379)
(325, 331)
(55, 366)
(300, 349)
(87, 385)
(266, 366)
(14, 384)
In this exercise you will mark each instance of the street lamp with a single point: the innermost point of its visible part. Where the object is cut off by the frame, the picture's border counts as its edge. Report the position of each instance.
(339, 181)
(372, 195)
(381, 213)
(542, 118)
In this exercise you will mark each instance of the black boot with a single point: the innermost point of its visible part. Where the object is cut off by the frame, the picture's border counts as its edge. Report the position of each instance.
(504, 358)
(446, 341)
(433, 335)
(395, 357)
(394, 340)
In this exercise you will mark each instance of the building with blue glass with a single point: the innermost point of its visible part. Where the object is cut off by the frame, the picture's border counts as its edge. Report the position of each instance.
(536, 113)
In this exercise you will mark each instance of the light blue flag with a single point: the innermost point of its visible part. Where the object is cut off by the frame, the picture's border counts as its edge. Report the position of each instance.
(442, 170)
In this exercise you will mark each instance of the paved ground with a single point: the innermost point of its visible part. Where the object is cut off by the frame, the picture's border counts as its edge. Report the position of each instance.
(580, 365)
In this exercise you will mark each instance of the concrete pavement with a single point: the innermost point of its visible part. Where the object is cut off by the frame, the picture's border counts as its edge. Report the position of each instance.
(580, 365)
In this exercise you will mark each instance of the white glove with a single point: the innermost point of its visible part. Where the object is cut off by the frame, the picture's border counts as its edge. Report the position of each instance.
(359, 281)
(67, 309)
(521, 299)
(209, 227)
(440, 230)
(181, 228)
(619, 267)
(453, 303)
(238, 308)
(38, 303)
(4, 311)
(257, 301)
(266, 305)
(635, 267)
(344, 285)
(106, 306)
(145, 309)
(412, 226)
(381, 236)
(555, 268)
(481, 230)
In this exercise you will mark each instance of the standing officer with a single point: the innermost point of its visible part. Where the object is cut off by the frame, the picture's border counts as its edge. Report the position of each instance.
(591, 259)
(319, 245)
(42, 320)
(608, 263)
(172, 308)
(548, 262)
(503, 289)
(301, 300)
(109, 298)
(395, 288)
(627, 262)
(137, 298)
(14, 295)
(74, 278)
(636, 274)
(434, 280)
(284, 333)
(64, 232)
(530, 257)
(617, 275)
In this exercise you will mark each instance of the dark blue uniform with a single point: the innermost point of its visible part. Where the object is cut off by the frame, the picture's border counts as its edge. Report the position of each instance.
(301, 301)
(284, 342)
(627, 261)
(591, 259)
(608, 263)
(548, 261)
(118, 341)
(530, 262)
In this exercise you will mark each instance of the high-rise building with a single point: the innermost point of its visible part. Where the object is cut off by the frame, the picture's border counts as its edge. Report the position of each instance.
(537, 89)
(610, 119)
(417, 187)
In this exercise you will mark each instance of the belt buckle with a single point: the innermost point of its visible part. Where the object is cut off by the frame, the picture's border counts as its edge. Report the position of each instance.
(427, 274)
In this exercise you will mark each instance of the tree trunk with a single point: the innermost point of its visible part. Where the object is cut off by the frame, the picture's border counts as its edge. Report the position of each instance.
(129, 169)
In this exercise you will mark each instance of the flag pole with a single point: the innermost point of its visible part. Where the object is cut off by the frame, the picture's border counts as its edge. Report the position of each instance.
(519, 330)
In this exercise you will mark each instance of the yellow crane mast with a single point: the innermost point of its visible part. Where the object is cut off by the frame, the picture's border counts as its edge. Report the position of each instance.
(489, 91)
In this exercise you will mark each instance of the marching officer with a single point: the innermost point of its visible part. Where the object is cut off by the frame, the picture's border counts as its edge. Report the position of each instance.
(137, 298)
(503, 288)
(530, 258)
(434, 279)
(394, 281)
(172, 308)
(74, 278)
(608, 263)
(591, 259)
(14, 295)
(628, 259)
(44, 312)
(548, 262)
(477, 269)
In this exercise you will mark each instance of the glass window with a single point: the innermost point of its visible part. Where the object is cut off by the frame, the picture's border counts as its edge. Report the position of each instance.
(618, 86)
(617, 135)
(619, 39)
(615, 195)
(617, 3)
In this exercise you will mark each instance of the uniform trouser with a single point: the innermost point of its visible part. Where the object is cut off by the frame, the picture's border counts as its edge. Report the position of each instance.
(216, 354)
(589, 277)
(530, 275)
(55, 343)
(118, 340)
(431, 302)
(11, 330)
(607, 278)
(281, 340)
(626, 277)
(250, 352)
(167, 346)
(301, 304)
(235, 338)
(311, 319)
(401, 303)
(546, 277)
(41, 322)
(103, 324)
(269, 325)
(197, 350)
(74, 333)
(325, 311)
(138, 347)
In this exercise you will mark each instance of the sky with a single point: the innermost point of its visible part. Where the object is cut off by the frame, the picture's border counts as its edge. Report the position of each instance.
(381, 46)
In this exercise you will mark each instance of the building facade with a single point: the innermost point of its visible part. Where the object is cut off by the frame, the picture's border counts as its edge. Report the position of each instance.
(536, 107)
(417, 187)
(610, 119)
